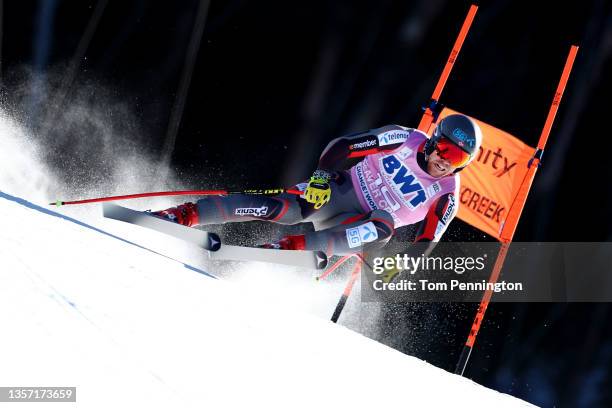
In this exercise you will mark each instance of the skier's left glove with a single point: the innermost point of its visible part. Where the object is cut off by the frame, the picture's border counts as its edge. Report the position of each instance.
(318, 191)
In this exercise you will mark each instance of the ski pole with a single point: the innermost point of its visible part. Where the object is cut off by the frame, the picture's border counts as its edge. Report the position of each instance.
(335, 266)
(267, 191)
(347, 291)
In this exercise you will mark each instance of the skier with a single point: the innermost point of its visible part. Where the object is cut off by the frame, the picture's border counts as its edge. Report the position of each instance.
(366, 185)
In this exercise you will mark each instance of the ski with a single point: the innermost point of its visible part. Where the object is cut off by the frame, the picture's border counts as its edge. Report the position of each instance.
(205, 240)
(212, 243)
(303, 259)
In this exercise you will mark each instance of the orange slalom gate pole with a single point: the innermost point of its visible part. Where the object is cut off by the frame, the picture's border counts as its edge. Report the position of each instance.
(428, 115)
(515, 211)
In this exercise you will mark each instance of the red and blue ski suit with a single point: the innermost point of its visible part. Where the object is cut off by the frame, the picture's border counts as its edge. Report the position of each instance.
(379, 183)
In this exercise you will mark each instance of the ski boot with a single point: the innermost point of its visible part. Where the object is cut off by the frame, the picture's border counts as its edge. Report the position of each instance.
(184, 214)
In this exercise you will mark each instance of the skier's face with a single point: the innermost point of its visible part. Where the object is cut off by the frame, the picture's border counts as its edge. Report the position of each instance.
(437, 166)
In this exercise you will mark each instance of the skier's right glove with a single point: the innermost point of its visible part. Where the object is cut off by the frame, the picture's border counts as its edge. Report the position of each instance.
(390, 274)
(318, 191)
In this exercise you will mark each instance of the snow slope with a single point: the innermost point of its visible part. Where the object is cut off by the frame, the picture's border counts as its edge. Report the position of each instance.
(131, 327)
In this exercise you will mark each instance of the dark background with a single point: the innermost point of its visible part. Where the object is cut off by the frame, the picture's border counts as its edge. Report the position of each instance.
(274, 81)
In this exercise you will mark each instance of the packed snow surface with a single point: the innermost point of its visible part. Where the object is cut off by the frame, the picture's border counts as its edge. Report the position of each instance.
(93, 307)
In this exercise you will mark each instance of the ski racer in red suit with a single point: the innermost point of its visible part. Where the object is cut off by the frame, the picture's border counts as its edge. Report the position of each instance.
(366, 185)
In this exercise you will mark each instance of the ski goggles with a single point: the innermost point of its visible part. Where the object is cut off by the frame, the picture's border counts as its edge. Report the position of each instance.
(449, 151)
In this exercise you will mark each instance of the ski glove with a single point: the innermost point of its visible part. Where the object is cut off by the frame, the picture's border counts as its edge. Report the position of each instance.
(390, 274)
(318, 191)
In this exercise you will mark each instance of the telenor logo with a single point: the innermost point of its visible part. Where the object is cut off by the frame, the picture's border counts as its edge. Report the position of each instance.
(361, 235)
(369, 233)
(391, 137)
